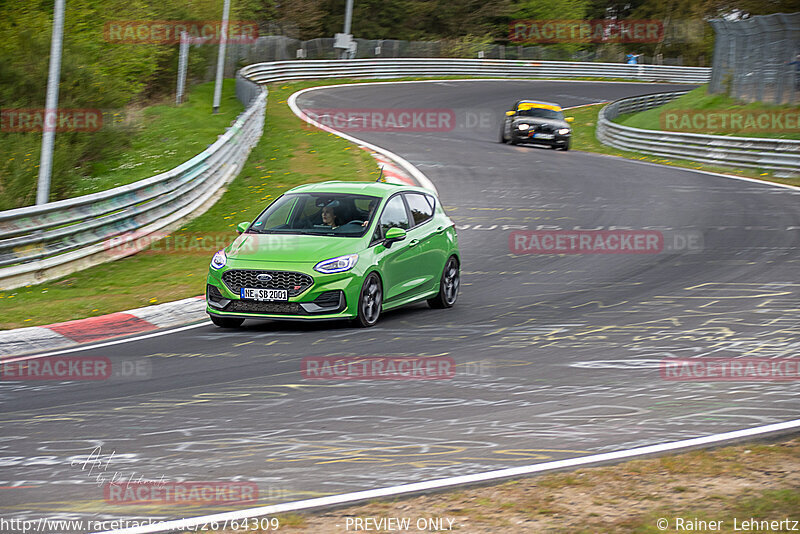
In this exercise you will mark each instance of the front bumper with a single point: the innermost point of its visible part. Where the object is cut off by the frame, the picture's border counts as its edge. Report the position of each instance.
(527, 136)
(331, 296)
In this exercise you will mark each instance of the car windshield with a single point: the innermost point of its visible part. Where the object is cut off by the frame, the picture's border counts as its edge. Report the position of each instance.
(334, 214)
(541, 113)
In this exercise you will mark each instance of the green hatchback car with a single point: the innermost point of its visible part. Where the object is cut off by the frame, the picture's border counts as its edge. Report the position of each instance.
(337, 250)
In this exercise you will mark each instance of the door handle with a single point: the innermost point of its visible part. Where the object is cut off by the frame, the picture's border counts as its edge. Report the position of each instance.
(413, 243)
(440, 230)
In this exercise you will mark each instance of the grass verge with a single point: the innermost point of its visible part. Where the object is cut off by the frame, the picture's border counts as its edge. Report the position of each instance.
(166, 136)
(699, 100)
(690, 491)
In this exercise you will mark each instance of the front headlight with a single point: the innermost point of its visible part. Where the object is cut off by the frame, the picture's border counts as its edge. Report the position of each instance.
(523, 126)
(219, 260)
(563, 131)
(337, 265)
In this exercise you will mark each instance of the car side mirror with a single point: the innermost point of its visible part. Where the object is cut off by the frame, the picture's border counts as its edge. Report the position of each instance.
(392, 235)
(242, 227)
(511, 113)
(570, 119)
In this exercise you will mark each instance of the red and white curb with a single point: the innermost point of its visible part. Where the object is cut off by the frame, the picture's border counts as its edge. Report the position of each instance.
(391, 172)
(61, 335)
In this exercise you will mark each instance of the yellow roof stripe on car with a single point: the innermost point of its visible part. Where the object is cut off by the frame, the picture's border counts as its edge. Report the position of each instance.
(531, 105)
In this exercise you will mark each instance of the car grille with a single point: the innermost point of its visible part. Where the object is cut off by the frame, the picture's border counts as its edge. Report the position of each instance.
(294, 283)
(253, 306)
(544, 128)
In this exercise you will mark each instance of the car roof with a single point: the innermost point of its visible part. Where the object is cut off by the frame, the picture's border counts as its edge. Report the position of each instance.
(539, 103)
(377, 189)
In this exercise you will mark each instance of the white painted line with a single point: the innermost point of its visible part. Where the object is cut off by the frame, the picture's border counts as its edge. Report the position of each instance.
(722, 175)
(346, 498)
(587, 105)
(408, 167)
(105, 343)
(530, 80)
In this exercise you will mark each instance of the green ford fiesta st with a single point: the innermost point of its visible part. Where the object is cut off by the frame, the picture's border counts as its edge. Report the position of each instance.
(337, 250)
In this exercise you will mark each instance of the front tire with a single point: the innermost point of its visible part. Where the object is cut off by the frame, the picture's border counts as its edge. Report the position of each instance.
(370, 302)
(226, 322)
(448, 287)
(503, 134)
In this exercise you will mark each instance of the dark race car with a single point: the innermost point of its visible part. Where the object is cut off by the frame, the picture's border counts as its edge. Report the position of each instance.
(532, 121)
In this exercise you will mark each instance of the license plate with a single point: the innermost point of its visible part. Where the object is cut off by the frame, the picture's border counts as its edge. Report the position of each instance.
(263, 294)
(544, 136)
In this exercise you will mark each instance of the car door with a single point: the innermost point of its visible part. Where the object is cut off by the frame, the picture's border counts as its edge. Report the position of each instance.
(396, 261)
(430, 258)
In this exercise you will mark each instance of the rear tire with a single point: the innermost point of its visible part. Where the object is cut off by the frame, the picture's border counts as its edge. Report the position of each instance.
(226, 322)
(448, 286)
(370, 301)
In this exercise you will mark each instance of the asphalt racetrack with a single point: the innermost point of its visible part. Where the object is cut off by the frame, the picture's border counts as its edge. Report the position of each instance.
(557, 356)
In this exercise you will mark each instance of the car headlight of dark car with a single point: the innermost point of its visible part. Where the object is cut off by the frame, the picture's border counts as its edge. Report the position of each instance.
(563, 131)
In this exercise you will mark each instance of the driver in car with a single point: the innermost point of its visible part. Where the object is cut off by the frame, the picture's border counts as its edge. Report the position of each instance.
(330, 218)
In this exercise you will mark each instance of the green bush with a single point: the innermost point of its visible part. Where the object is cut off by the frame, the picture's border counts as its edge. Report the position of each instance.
(95, 74)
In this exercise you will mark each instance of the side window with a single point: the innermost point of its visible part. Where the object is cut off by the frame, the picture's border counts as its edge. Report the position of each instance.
(420, 206)
(394, 215)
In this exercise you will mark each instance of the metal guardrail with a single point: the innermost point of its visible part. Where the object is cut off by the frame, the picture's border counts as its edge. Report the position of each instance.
(49, 240)
(781, 155)
(279, 71)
